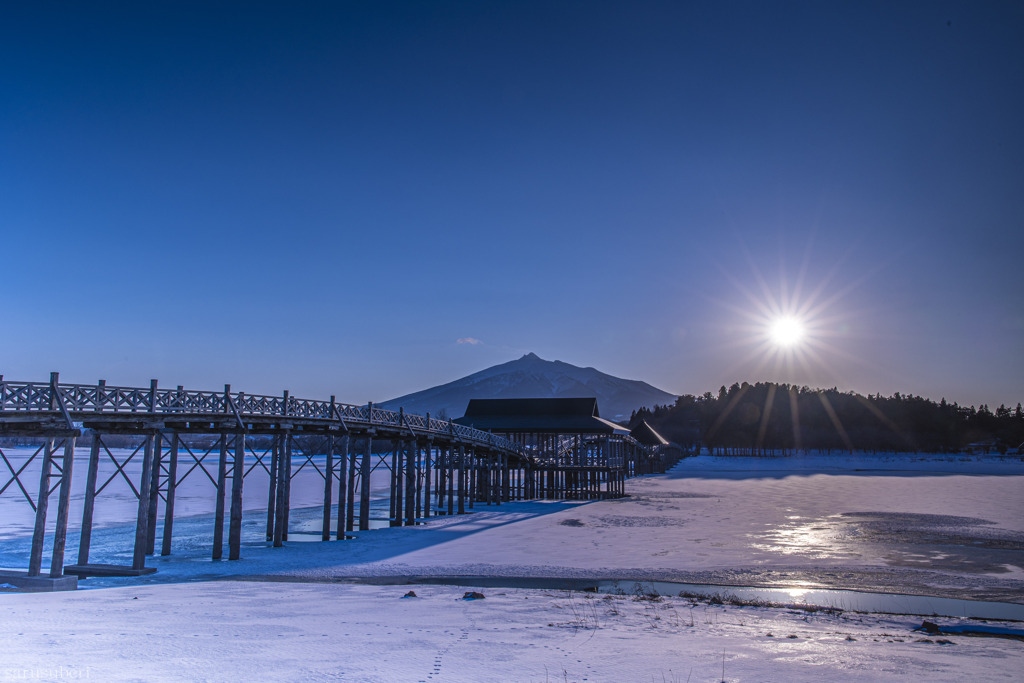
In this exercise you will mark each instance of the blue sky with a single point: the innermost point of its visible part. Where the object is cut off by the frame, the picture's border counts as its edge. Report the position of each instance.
(327, 197)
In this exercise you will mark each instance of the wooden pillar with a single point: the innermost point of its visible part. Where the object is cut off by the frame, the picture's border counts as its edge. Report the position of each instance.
(85, 539)
(154, 498)
(342, 480)
(473, 484)
(139, 557)
(325, 531)
(350, 502)
(428, 456)
(60, 533)
(286, 482)
(441, 488)
(35, 560)
(462, 481)
(235, 528)
(395, 513)
(283, 472)
(506, 478)
(172, 478)
(391, 491)
(487, 467)
(410, 482)
(364, 492)
(451, 479)
(275, 449)
(218, 515)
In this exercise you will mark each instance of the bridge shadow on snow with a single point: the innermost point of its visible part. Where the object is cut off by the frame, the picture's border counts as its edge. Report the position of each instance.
(299, 559)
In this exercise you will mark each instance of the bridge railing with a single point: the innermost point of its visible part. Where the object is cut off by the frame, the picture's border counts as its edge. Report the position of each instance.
(81, 400)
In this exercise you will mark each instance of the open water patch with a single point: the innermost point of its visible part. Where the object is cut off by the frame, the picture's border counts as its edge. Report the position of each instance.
(825, 598)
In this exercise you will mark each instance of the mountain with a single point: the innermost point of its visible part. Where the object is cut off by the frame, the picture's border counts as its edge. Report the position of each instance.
(533, 377)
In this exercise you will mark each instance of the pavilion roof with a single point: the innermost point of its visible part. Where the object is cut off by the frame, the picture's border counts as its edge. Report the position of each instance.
(538, 415)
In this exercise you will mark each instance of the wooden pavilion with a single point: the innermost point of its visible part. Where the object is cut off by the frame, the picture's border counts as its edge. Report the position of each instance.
(577, 453)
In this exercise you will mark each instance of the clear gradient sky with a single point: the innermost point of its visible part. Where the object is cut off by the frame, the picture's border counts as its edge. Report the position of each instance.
(371, 198)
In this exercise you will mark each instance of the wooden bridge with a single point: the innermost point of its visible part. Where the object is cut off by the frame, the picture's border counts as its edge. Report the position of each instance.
(436, 467)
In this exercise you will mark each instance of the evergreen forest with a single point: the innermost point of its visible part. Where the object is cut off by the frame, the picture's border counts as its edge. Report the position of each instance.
(779, 419)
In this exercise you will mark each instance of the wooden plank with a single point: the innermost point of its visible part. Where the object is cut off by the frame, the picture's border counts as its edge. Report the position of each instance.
(60, 533)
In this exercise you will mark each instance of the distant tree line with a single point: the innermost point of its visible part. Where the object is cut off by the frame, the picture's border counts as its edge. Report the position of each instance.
(778, 419)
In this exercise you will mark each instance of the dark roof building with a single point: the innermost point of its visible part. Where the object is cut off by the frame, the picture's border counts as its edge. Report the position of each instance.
(538, 416)
(645, 434)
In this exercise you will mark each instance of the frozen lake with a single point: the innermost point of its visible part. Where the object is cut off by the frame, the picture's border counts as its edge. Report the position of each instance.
(930, 526)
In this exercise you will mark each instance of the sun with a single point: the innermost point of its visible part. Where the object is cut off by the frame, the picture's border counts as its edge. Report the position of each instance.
(787, 331)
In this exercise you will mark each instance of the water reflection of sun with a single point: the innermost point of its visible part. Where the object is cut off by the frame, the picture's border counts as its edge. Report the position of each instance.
(817, 539)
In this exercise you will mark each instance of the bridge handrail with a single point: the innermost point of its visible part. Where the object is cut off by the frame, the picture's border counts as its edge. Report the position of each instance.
(92, 399)
(567, 444)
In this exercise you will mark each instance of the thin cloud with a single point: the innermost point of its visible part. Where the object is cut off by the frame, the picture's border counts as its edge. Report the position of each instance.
(468, 340)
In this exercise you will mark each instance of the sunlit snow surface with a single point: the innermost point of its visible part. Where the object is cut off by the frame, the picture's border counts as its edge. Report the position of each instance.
(932, 526)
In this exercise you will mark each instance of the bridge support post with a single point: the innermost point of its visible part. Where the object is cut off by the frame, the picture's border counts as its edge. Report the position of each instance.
(285, 503)
(395, 513)
(411, 481)
(364, 489)
(275, 457)
(451, 479)
(342, 486)
(473, 485)
(325, 531)
(142, 520)
(235, 529)
(417, 461)
(350, 503)
(490, 473)
(172, 485)
(35, 560)
(462, 482)
(85, 539)
(154, 497)
(218, 515)
(284, 473)
(440, 485)
(506, 479)
(428, 456)
(60, 533)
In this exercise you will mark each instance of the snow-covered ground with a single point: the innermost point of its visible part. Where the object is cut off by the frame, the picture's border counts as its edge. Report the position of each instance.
(929, 526)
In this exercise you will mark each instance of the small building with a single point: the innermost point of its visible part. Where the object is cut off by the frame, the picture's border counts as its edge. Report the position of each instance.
(668, 452)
